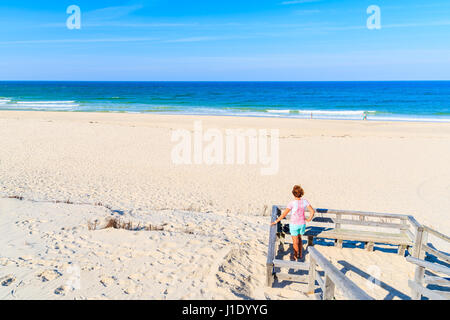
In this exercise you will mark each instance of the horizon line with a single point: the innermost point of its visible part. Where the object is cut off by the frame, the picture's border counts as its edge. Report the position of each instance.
(398, 80)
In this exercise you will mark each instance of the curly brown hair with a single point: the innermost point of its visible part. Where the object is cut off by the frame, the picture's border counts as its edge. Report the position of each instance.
(297, 191)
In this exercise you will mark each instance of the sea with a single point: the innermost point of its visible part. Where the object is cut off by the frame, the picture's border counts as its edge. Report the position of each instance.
(372, 100)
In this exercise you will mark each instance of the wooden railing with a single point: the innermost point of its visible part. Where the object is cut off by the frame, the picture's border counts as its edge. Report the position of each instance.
(272, 244)
(424, 247)
(418, 285)
(333, 279)
(421, 280)
(328, 223)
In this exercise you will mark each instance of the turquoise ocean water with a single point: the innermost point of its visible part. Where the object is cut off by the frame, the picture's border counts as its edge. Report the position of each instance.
(390, 100)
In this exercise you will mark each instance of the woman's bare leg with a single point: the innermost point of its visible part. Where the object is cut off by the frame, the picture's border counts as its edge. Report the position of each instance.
(295, 245)
(300, 246)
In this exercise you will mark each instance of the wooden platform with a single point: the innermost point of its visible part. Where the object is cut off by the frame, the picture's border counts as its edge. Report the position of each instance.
(368, 237)
(328, 224)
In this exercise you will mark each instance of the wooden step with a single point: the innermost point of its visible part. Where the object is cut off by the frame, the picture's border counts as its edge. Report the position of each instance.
(291, 264)
(291, 277)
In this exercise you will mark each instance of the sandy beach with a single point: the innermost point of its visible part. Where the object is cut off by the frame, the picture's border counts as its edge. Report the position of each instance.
(60, 171)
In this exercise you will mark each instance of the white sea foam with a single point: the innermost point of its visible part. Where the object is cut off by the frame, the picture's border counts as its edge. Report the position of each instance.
(39, 105)
(278, 111)
(323, 112)
(335, 112)
(45, 102)
(7, 103)
(49, 106)
(4, 101)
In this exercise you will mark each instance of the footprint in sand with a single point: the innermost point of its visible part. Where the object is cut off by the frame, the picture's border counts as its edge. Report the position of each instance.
(49, 275)
(5, 262)
(169, 245)
(129, 290)
(107, 281)
(194, 242)
(60, 290)
(135, 276)
(7, 280)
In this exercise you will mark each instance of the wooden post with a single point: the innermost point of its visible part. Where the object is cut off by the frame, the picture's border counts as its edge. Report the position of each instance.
(418, 242)
(418, 278)
(270, 277)
(328, 293)
(312, 276)
(424, 242)
(338, 217)
(271, 253)
(337, 226)
(404, 226)
(401, 250)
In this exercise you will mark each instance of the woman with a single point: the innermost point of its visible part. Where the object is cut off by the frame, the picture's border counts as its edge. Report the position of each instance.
(297, 225)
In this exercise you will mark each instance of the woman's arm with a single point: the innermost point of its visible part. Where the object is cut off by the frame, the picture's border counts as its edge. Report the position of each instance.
(311, 211)
(283, 215)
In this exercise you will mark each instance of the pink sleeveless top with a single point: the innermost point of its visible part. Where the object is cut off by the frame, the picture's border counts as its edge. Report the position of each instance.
(298, 211)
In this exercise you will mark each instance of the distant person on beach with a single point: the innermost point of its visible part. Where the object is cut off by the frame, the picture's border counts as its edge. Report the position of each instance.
(365, 116)
(297, 225)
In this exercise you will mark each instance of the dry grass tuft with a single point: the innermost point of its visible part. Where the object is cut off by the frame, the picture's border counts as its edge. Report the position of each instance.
(66, 201)
(154, 228)
(16, 197)
(117, 223)
(92, 225)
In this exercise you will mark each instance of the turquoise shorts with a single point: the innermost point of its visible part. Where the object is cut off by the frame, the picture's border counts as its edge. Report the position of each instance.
(295, 229)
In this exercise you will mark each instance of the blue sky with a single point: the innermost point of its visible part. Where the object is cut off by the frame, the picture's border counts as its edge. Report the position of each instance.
(225, 40)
